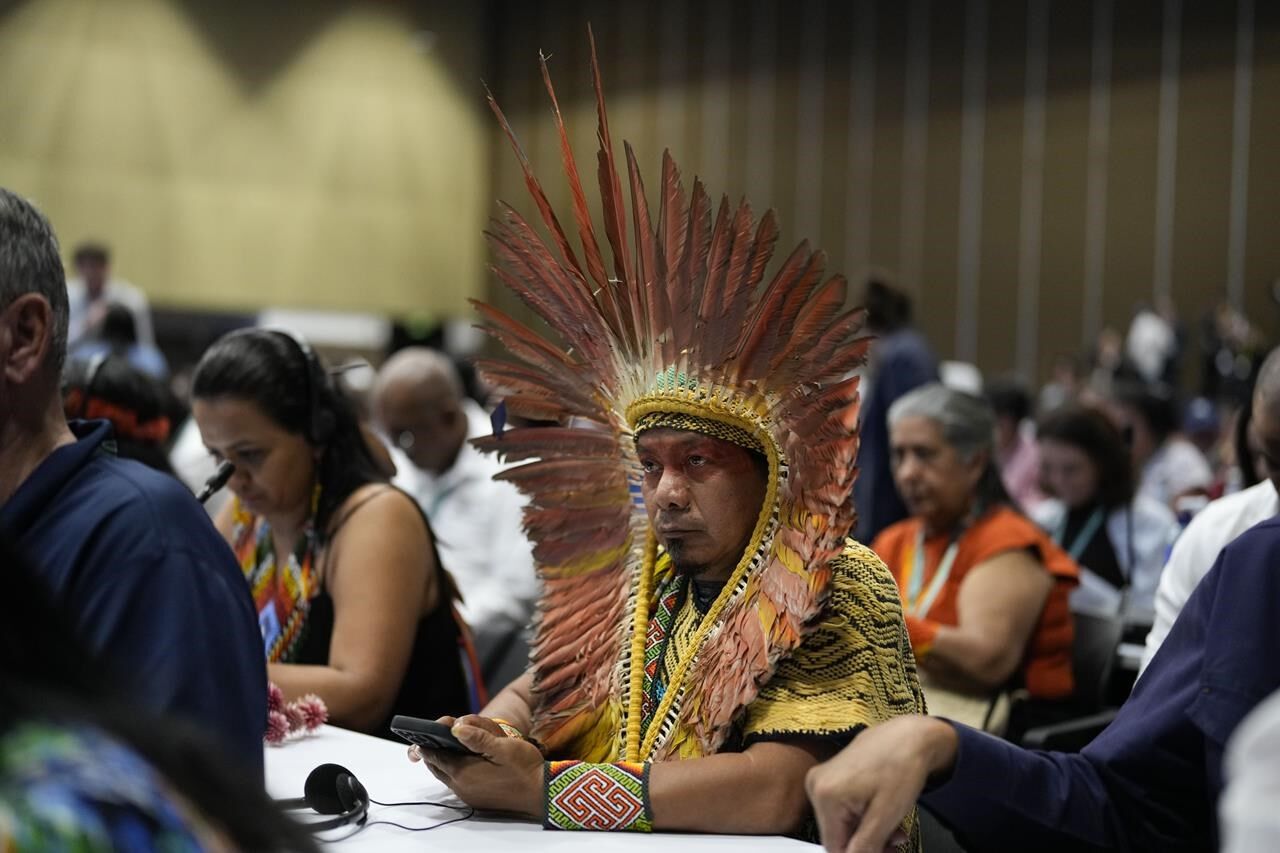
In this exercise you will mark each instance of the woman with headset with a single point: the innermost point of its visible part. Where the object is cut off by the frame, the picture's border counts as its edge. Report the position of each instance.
(352, 601)
(1118, 536)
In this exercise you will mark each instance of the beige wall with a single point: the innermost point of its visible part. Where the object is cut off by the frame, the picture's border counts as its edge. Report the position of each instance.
(768, 100)
(250, 154)
(243, 155)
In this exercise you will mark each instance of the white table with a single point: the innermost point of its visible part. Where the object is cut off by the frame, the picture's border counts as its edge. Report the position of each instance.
(388, 775)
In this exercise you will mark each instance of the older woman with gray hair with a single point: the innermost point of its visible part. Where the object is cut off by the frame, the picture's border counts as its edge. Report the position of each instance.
(984, 590)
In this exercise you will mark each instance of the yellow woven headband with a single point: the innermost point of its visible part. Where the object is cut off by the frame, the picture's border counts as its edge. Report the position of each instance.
(704, 426)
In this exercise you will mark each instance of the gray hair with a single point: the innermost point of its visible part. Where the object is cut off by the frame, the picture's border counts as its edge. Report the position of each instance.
(967, 421)
(968, 424)
(30, 263)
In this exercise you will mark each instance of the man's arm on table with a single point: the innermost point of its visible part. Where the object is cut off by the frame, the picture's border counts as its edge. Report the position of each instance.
(758, 791)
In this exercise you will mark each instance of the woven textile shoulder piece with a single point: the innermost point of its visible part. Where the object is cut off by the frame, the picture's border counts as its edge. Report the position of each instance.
(671, 320)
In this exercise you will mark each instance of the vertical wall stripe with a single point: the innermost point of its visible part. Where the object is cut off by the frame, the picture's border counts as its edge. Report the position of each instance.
(1167, 150)
(714, 161)
(862, 132)
(1095, 225)
(633, 111)
(806, 207)
(506, 171)
(1243, 101)
(972, 130)
(544, 141)
(760, 120)
(1032, 208)
(915, 146)
(671, 96)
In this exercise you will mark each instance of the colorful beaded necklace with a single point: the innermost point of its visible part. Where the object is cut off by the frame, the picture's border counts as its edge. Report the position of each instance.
(282, 596)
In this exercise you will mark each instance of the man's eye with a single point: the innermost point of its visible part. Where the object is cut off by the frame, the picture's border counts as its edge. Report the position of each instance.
(697, 461)
(648, 466)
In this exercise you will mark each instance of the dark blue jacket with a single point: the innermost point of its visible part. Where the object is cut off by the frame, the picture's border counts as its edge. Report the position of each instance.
(1151, 781)
(903, 362)
(150, 584)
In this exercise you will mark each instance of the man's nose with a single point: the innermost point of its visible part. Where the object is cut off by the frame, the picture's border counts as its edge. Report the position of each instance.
(672, 491)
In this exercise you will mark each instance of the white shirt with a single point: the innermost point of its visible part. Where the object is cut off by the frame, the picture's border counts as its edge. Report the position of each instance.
(1197, 548)
(1248, 815)
(115, 290)
(1154, 528)
(1177, 466)
(1150, 343)
(478, 526)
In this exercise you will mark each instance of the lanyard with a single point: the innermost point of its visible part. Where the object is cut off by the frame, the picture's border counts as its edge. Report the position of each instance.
(440, 498)
(916, 605)
(1083, 538)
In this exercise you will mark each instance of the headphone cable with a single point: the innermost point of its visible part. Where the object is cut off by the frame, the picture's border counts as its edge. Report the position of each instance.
(364, 824)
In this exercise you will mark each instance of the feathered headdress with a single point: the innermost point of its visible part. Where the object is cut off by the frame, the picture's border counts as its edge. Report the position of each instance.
(675, 321)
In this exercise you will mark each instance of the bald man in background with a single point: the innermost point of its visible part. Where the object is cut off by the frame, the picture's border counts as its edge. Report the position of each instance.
(419, 405)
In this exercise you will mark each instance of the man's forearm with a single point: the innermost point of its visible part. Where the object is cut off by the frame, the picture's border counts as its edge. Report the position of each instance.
(757, 792)
(514, 704)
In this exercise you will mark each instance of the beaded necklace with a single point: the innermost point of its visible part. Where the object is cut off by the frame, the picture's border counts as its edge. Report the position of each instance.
(282, 595)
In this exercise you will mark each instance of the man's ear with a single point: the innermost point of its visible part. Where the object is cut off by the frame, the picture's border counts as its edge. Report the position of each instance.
(28, 333)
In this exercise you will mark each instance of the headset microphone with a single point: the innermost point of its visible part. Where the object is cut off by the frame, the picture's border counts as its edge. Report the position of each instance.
(217, 481)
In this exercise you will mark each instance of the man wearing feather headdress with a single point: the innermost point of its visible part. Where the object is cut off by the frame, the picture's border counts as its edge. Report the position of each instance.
(707, 633)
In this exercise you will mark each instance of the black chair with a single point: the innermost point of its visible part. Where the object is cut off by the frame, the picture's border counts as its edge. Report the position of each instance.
(935, 836)
(1093, 658)
(1093, 662)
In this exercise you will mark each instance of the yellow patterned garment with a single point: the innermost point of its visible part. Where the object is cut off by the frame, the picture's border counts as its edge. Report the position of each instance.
(853, 670)
(856, 669)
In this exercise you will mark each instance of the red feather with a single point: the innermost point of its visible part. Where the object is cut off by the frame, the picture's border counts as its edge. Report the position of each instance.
(535, 188)
(648, 290)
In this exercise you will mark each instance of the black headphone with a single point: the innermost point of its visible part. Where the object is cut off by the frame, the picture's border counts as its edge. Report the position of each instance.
(320, 421)
(332, 789)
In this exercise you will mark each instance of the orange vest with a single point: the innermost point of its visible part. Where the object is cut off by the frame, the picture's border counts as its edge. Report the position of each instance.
(1046, 668)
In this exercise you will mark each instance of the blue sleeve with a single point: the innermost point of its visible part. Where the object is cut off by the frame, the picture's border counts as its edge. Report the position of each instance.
(1000, 796)
(904, 369)
(905, 364)
(192, 597)
(1151, 780)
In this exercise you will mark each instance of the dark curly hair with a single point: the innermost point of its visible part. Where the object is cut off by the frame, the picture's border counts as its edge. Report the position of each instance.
(1094, 434)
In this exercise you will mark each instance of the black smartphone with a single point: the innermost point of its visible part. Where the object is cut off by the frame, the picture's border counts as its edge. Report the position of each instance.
(427, 734)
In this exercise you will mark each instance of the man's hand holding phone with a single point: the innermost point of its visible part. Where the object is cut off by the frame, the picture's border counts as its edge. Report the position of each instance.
(491, 770)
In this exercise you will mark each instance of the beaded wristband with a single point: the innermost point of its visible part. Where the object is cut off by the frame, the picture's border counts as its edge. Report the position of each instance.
(511, 731)
(508, 729)
(608, 797)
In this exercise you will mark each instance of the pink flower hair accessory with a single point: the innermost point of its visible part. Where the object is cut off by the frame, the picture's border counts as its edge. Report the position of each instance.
(298, 718)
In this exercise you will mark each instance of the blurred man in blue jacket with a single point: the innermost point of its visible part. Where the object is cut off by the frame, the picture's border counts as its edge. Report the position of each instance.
(124, 550)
